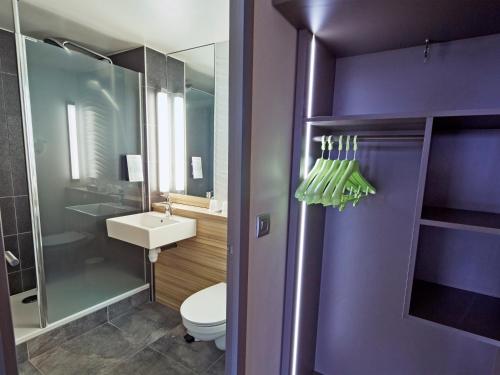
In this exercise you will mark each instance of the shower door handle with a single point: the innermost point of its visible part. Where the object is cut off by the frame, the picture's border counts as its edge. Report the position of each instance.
(11, 259)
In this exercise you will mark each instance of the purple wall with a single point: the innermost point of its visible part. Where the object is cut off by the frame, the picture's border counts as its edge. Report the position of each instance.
(463, 74)
(360, 328)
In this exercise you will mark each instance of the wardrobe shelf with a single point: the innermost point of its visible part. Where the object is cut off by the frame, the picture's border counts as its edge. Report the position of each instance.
(475, 118)
(450, 218)
(468, 311)
(395, 123)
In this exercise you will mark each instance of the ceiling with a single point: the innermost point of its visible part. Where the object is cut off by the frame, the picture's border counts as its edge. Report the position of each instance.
(354, 27)
(116, 25)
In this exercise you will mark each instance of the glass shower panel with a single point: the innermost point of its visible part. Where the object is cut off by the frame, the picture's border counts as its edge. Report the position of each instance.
(86, 118)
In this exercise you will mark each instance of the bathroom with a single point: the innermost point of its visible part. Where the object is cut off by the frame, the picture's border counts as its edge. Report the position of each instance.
(103, 124)
(254, 187)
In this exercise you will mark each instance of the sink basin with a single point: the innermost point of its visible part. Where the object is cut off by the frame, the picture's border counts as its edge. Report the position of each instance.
(151, 229)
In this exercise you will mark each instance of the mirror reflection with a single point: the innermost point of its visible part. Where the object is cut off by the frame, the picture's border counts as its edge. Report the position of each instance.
(198, 127)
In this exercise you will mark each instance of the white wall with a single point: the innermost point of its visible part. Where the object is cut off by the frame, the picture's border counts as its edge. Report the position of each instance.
(272, 117)
(221, 126)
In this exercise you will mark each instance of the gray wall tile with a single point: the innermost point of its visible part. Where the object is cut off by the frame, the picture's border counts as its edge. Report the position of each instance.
(13, 177)
(17, 155)
(6, 189)
(2, 104)
(15, 283)
(23, 214)
(156, 68)
(26, 250)
(29, 279)
(12, 103)
(8, 216)
(8, 63)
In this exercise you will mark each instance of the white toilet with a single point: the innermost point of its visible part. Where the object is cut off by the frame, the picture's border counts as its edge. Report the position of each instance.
(204, 315)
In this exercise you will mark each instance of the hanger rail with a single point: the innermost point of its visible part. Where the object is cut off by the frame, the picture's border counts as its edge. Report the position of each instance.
(381, 138)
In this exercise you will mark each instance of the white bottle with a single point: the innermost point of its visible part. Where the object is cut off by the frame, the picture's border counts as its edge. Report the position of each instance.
(214, 205)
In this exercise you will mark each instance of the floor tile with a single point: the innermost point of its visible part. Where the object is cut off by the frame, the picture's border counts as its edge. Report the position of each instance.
(27, 368)
(95, 352)
(218, 368)
(198, 356)
(160, 313)
(58, 336)
(147, 323)
(150, 362)
(21, 352)
(127, 304)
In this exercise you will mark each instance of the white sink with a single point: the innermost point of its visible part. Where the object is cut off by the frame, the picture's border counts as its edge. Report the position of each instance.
(151, 230)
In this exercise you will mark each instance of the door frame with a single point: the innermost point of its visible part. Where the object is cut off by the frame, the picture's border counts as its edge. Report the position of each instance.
(240, 121)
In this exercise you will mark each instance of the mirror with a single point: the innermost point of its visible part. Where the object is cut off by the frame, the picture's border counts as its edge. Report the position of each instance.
(197, 83)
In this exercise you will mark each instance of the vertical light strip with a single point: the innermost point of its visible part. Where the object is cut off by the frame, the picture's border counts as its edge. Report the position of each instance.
(303, 216)
(164, 143)
(73, 142)
(180, 144)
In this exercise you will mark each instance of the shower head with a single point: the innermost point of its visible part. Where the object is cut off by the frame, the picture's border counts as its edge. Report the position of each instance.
(62, 43)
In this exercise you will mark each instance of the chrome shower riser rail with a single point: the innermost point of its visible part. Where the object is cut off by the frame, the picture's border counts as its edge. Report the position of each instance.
(64, 43)
(29, 146)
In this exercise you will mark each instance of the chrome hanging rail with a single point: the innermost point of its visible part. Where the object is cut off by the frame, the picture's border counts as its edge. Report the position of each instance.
(381, 138)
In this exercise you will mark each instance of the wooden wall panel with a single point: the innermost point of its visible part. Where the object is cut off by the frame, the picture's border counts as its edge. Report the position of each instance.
(189, 200)
(195, 263)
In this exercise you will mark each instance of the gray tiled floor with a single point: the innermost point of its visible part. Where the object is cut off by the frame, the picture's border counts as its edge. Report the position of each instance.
(146, 340)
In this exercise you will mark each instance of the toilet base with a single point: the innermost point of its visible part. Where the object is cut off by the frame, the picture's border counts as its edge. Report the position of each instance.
(220, 343)
(208, 334)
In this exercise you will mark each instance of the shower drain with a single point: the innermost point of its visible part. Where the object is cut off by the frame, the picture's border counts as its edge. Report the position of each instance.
(30, 299)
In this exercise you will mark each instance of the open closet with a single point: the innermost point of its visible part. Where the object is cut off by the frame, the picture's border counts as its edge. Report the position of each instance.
(406, 281)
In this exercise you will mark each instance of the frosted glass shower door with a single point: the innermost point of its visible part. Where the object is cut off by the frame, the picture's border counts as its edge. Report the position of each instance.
(86, 117)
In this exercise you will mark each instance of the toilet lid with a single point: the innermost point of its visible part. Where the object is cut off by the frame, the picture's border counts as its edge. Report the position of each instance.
(206, 307)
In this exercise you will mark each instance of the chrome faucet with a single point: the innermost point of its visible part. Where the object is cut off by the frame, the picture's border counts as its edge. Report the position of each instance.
(168, 204)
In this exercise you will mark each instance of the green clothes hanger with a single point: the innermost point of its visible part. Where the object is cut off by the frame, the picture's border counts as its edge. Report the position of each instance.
(326, 197)
(351, 170)
(318, 183)
(357, 178)
(335, 182)
(319, 176)
(299, 193)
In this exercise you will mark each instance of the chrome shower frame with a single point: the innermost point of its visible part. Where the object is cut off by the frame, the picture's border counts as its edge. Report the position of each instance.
(30, 164)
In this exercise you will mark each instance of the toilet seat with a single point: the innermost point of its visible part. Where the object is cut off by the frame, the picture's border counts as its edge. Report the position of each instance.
(206, 308)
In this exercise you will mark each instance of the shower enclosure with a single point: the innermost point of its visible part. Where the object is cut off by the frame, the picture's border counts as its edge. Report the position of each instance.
(82, 117)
